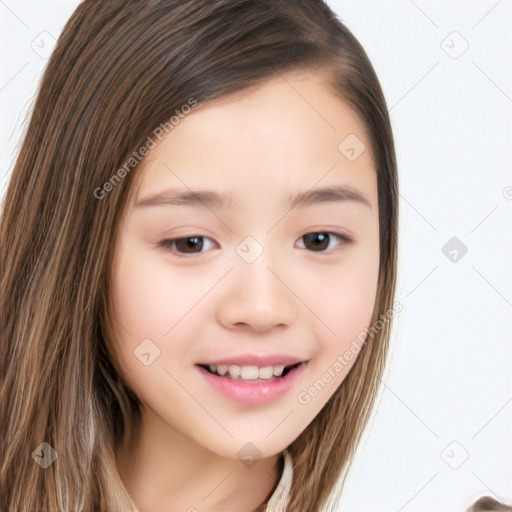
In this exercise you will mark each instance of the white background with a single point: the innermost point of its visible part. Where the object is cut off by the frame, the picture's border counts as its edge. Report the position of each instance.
(442, 435)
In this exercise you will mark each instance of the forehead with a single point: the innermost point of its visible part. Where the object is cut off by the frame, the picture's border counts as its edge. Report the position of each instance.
(286, 133)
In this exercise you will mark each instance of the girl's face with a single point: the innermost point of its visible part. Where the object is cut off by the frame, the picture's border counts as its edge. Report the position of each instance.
(247, 273)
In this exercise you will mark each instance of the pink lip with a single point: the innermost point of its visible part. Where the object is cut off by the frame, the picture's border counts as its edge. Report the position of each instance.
(260, 361)
(253, 393)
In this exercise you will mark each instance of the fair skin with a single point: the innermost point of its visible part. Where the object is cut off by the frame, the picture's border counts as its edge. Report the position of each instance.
(297, 298)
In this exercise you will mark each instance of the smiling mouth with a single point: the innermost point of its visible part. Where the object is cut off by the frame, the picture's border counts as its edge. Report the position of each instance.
(251, 373)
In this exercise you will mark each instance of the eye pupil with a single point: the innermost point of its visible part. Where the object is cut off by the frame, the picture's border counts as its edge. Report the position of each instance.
(323, 238)
(189, 243)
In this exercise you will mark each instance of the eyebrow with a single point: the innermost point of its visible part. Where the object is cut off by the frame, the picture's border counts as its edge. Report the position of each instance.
(215, 200)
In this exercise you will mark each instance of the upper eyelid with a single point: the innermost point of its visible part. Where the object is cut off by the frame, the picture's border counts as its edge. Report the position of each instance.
(339, 235)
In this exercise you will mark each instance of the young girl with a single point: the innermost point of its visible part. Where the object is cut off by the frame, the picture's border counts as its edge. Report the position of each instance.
(199, 246)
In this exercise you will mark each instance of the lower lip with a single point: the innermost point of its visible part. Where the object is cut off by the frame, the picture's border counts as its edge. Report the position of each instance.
(253, 393)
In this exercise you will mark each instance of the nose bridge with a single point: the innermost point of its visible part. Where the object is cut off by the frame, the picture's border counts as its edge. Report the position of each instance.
(259, 260)
(254, 294)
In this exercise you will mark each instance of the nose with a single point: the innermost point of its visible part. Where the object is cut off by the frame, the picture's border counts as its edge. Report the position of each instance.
(257, 296)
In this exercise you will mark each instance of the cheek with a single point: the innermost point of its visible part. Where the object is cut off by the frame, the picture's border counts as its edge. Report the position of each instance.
(343, 301)
(345, 310)
(344, 297)
(152, 300)
(350, 301)
(146, 306)
(149, 298)
(138, 303)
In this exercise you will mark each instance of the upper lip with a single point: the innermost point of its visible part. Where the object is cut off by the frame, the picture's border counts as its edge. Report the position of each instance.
(254, 360)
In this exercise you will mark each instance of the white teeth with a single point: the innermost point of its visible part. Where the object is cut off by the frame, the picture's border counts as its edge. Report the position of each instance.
(249, 372)
(278, 370)
(222, 369)
(240, 372)
(265, 372)
(234, 370)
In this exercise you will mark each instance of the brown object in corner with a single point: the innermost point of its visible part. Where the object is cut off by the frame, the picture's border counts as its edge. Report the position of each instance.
(488, 504)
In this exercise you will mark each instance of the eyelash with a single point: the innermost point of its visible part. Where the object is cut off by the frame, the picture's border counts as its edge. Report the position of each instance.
(169, 243)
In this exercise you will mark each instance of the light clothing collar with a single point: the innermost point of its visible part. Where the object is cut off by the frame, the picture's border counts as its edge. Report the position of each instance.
(281, 496)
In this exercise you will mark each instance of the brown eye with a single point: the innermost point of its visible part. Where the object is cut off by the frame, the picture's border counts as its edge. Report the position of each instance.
(320, 241)
(316, 242)
(185, 245)
(189, 244)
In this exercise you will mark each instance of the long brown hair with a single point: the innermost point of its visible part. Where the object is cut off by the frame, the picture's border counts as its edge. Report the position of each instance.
(120, 69)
